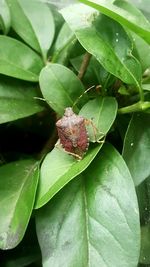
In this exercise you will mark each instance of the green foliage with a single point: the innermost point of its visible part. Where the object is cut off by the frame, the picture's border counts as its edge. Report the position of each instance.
(136, 147)
(91, 213)
(103, 111)
(20, 178)
(55, 173)
(60, 78)
(26, 23)
(92, 56)
(18, 60)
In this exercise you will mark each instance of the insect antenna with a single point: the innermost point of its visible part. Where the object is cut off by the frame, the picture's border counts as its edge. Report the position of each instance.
(39, 98)
(78, 99)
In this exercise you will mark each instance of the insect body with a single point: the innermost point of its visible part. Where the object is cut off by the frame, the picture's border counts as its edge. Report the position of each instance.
(72, 133)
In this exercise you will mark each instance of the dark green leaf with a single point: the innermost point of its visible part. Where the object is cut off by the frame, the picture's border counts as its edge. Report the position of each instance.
(18, 183)
(143, 51)
(124, 13)
(64, 43)
(101, 112)
(57, 169)
(143, 194)
(60, 87)
(27, 256)
(26, 253)
(58, 19)
(144, 6)
(19, 61)
(106, 40)
(17, 100)
(146, 86)
(93, 221)
(145, 245)
(33, 21)
(136, 149)
(5, 19)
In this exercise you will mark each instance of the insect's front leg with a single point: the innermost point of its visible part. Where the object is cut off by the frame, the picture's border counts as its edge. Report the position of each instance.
(59, 146)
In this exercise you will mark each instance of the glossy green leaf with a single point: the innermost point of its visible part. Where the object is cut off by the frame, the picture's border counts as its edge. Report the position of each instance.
(146, 86)
(106, 40)
(33, 22)
(101, 112)
(145, 244)
(136, 149)
(26, 253)
(64, 43)
(58, 19)
(5, 20)
(143, 195)
(19, 61)
(144, 6)
(18, 183)
(60, 87)
(142, 50)
(57, 169)
(17, 100)
(125, 13)
(94, 220)
(64, 36)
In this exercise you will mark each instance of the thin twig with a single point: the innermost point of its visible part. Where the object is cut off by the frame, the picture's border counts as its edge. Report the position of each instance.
(84, 65)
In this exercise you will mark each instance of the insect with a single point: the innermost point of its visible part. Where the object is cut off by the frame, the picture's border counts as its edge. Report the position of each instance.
(73, 134)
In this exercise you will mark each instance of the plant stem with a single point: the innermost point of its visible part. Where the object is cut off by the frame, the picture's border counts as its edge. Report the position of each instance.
(139, 106)
(141, 93)
(84, 65)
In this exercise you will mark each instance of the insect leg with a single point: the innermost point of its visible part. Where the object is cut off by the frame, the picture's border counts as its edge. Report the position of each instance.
(59, 146)
(95, 131)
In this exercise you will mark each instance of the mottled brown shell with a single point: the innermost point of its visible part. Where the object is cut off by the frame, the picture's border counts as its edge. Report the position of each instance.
(72, 133)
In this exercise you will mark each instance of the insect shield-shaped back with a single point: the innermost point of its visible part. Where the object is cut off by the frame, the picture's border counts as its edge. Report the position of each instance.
(72, 133)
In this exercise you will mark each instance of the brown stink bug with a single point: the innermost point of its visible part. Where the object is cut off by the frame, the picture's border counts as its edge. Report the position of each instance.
(73, 134)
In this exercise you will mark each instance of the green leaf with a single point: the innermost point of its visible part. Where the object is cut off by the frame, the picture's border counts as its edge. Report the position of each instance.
(57, 169)
(26, 253)
(60, 87)
(33, 22)
(58, 19)
(146, 86)
(19, 61)
(143, 195)
(106, 40)
(142, 50)
(18, 183)
(94, 220)
(17, 100)
(63, 45)
(101, 112)
(144, 6)
(125, 13)
(136, 149)
(5, 20)
(145, 245)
